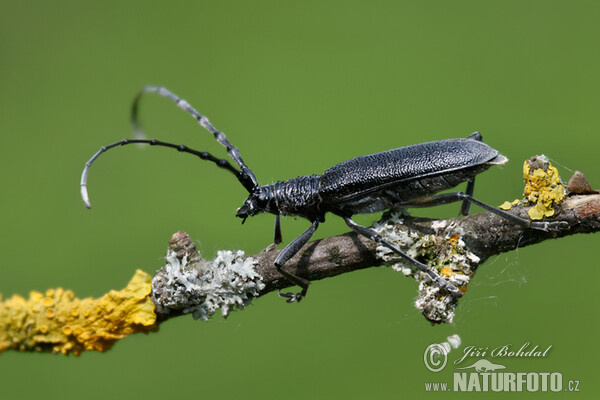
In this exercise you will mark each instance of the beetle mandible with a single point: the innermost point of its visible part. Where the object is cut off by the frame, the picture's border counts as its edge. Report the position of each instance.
(401, 177)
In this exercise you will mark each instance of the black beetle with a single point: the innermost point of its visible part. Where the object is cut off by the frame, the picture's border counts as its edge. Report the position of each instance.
(395, 178)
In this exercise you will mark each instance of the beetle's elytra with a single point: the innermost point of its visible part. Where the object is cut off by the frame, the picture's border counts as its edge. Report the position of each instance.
(401, 177)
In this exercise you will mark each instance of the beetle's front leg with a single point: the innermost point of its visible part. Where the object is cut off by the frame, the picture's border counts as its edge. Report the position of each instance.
(288, 252)
(371, 234)
(277, 236)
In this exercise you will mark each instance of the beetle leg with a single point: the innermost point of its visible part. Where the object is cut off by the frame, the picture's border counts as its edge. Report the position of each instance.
(392, 196)
(288, 252)
(525, 222)
(447, 198)
(277, 237)
(371, 234)
(466, 204)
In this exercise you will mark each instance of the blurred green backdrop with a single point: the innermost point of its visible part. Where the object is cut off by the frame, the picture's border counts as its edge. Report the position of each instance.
(298, 87)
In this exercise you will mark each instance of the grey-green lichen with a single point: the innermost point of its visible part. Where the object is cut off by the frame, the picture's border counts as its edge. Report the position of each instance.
(444, 252)
(202, 287)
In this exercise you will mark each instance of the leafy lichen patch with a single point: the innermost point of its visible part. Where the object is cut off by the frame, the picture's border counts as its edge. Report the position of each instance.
(444, 252)
(201, 288)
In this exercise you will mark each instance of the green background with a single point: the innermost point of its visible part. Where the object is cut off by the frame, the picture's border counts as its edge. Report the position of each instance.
(297, 87)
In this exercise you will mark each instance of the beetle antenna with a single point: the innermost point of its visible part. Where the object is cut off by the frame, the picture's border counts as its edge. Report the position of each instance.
(153, 142)
(249, 181)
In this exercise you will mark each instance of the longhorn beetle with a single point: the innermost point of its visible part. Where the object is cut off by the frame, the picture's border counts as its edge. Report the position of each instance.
(401, 177)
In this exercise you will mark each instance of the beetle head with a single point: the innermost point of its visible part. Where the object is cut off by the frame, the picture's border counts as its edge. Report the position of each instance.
(257, 202)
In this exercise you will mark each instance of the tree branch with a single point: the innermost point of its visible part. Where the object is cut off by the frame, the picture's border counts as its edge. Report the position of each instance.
(484, 235)
(56, 321)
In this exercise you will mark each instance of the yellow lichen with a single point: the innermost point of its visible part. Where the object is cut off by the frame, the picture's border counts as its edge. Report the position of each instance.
(454, 238)
(59, 322)
(542, 188)
(507, 205)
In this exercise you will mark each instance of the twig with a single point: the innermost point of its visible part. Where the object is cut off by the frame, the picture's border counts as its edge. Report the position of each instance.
(485, 234)
(59, 322)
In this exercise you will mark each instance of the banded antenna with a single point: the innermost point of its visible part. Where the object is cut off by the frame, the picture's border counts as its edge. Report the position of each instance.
(244, 175)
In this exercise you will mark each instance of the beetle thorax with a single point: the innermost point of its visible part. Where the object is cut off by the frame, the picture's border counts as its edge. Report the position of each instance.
(298, 196)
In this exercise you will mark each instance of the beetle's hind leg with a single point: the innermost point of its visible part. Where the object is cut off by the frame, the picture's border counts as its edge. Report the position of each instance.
(290, 251)
(432, 201)
(446, 198)
(371, 234)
